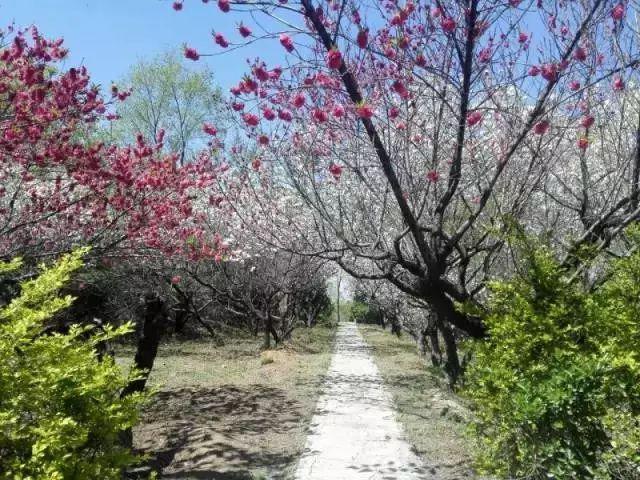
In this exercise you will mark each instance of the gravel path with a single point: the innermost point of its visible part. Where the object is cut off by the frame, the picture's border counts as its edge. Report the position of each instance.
(354, 434)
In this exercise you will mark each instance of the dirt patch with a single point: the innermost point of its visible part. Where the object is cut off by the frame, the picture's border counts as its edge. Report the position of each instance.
(225, 413)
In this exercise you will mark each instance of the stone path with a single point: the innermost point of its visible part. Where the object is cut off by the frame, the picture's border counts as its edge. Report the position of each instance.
(354, 434)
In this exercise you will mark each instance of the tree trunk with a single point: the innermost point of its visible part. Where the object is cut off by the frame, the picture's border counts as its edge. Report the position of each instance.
(436, 352)
(338, 296)
(422, 343)
(310, 319)
(154, 320)
(428, 341)
(182, 315)
(452, 363)
(396, 329)
(267, 334)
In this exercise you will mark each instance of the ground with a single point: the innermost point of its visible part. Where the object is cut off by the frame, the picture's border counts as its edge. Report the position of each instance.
(433, 418)
(232, 412)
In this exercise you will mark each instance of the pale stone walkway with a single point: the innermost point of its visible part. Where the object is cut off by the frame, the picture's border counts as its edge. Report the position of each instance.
(354, 434)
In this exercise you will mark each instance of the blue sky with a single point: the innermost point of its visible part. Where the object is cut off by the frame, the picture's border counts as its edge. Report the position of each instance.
(108, 36)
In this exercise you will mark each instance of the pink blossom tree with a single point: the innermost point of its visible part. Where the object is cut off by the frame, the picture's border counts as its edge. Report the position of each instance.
(60, 189)
(410, 132)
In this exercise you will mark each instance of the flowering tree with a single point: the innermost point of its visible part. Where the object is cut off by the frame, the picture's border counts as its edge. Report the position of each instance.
(409, 133)
(59, 189)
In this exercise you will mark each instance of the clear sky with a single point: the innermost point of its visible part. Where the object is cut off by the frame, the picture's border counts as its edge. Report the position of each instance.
(108, 36)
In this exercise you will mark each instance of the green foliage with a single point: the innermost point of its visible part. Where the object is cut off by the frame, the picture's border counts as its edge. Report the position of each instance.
(359, 311)
(169, 94)
(364, 312)
(556, 386)
(60, 411)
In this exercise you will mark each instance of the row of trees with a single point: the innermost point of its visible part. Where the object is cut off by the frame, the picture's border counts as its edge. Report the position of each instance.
(129, 177)
(410, 142)
(398, 150)
(405, 143)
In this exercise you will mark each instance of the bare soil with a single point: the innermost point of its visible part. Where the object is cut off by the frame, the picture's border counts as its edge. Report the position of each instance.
(232, 412)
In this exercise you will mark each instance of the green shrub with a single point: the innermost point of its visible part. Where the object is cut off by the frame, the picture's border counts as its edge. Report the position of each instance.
(556, 386)
(60, 409)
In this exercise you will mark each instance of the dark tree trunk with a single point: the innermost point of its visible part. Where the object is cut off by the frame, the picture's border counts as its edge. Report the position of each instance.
(267, 334)
(269, 331)
(428, 342)
(396, 329)
(182, 315)
(452, 364)
(154, 320)
(436, 352)
(311, 319)
(422, 343)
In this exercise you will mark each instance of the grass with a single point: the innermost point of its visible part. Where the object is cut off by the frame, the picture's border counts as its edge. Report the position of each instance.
(433, 418)
(232, 412)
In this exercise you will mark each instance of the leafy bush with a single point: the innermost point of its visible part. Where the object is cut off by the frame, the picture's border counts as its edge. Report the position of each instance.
(556, 386)
(362, 311)
(61, 414)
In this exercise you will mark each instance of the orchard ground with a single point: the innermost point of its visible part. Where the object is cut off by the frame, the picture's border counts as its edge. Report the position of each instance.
(433, 417)
(233, 411)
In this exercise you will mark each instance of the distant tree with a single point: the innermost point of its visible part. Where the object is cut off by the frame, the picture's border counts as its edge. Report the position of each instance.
(165, 94)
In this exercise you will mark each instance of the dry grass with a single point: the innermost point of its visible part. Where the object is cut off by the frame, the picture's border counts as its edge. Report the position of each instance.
(433, 418)
(232, 412)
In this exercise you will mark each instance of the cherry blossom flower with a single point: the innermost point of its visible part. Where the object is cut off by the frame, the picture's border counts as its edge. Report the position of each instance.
(338, 111)
(364, 111)
(400, 89)
(320, 115)
(541, 127)
(363, 38)
(209, 129)
(244, 30)
(448, 24)
(191, 53)
(587, 121)
(335, 170)
(220, 40)
(549, 72)
(286, 42)
(334, 59)
(474, 118)
(285, 115)
(433, 176)
(268, 114)
(617, 12)
(580, 54)
(583, 143)
(251, 119)
(298, 100)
